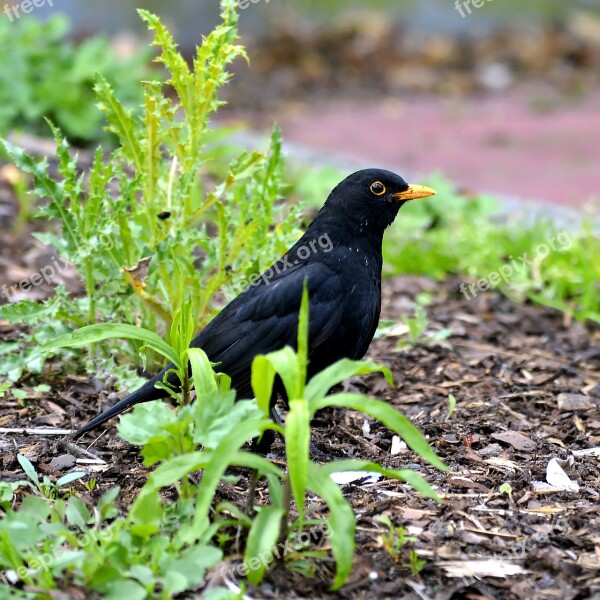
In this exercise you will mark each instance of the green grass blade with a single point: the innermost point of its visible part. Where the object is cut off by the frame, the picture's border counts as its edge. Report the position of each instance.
(322, 382)
(104, 331)
(220, 459)
(28, 468)
(169, 473)
(285, 363)
(408, 475)
(302, 354)
(202, 372)
(341, 521)
(263, 377)
(254, 461)
(387, 415)
(297, 441)
(262, 539)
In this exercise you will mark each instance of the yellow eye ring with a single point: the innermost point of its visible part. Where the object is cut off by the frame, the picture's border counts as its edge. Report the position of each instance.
(378, 188)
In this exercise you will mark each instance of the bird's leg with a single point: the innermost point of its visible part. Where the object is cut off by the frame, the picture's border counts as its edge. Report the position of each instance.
(275, 416)
(251, 492)
(287, 500)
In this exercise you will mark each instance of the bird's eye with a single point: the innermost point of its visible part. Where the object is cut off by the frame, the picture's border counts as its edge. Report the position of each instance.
(378, 188)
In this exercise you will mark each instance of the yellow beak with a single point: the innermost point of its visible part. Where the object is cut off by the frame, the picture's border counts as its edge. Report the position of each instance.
(415, 191)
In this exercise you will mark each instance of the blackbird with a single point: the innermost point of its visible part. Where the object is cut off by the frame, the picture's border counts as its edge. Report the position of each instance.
(340, 257)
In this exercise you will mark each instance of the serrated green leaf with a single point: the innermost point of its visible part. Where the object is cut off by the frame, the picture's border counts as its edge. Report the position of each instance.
(217, 415)
(121, 120)
(26, 311)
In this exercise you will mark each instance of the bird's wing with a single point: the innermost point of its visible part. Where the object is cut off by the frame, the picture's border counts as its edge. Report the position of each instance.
(265, 318)
(258, 321)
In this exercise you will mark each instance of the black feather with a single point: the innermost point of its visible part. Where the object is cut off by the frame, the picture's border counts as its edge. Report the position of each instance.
(340, 257)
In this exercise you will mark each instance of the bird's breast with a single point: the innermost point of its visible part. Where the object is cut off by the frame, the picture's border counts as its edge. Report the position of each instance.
(359, 308)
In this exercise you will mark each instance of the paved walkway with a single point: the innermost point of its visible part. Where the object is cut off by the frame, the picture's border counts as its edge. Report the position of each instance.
(501, 144)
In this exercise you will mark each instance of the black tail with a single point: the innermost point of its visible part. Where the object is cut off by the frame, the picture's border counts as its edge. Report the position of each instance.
(144, 394)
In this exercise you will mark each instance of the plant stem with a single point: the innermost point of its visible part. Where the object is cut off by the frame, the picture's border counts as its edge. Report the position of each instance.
(90, 289)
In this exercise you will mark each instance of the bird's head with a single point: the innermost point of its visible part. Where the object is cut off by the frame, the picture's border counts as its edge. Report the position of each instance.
(369, 200)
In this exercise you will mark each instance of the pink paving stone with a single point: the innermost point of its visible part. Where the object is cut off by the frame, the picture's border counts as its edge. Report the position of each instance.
(498, 144)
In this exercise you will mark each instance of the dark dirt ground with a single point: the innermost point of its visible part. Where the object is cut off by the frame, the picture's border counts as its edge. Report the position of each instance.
(527, 387)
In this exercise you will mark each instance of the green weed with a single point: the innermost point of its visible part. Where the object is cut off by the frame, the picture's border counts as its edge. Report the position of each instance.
(43, 74)
(168, 546)
(150, 219)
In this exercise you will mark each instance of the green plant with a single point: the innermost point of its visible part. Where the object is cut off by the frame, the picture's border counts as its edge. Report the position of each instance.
(172, 225)
(155, 548)
(156, 254)
(506, 488)
(90, 485)
(417, 330)
(46, 488)
(394, 538)
(49, 537)
(451, 406)
(415, 564)
(220, 426)
(20, 395)
(7, 492)
(305, 399)
(43, 74)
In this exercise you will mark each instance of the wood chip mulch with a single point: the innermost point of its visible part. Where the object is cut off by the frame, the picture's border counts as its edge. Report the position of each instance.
(527, 390)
